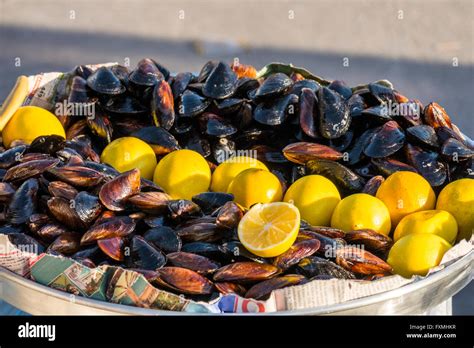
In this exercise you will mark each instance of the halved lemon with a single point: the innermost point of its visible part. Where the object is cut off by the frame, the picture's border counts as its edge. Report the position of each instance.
(269, 229)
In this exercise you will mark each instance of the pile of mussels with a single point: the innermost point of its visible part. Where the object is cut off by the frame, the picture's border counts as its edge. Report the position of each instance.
(57, 197)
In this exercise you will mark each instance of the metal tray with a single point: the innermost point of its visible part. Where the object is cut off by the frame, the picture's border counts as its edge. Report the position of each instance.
(415, 298)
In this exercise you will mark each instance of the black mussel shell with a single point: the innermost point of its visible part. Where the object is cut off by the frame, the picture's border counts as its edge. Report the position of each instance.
(334, 116)
(382, 93)
(274, 86)
(356, 105)
(343, 142)
(344, 178)
(388, 166)
(454, 150)
(164, 238)
(244, 85)
(307, 104)
(223, 149)
(121, 72)
(146, 73)
(162, 105)
(298, 86)
(206, 70)
(385, 141)
(29, 169)
(180, 83)
(216, 126)
(228, 105)
(274, 112)
(23, 203)
(197, 143)
(209, 201)
(192, 104)
(106, 170)
(49, 144)
(161, 141)
(124, 105)
(221, 82)
(26, 243)
(341, 88)
(100, 125)
(209, 250)
(356, 152)
(314, 266)
(376, 115)
(104, 81)
(87, 207)
(83, 71)
(423, 135)
(11, 156)
(144, 256)
(427, 164)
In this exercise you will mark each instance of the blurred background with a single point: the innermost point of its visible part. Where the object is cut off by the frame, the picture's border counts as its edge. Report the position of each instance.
(424, 47)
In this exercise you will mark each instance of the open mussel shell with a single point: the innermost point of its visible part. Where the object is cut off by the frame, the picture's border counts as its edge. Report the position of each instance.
(344, 178)
(194, 262)
(334, 115)
(244, 272)
(164, 238)
(221, 82)
(161, 141)
(87, 207)
(143, 255)
(192, 104)
(388, 166)
(114, 193)
(23, 202)
(162, 105)
(376, 243)
(112, 247)
(48, 144)
(262, 290)
(209, 201)
(315, 266)
(77, 176)
(427, 164)
(153, 202)
(26, 243)
(112, 227)
(30, 169)
(296, 253)
(229, 215)
(184, 280)
(303, 152)
(423, 135)
(454, 150)
(373, 184)
(360, 261)
(274, 112)
(66, 243)
(63, 211)
(385, 141)
(216, 126)
(273, 86)
(11, 156)
(103, 81)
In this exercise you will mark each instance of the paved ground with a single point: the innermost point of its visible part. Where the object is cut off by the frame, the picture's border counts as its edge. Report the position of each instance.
(424, 47)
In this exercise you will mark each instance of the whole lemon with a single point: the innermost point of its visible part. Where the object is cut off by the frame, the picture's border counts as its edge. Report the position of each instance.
(361, 211)
(229, 169)
(128, 153)
(404, 193)
(315, 197)
(30, 122)
(437, 222)
(183, 174)
(255, 186)
(458, 199)
(417, 253)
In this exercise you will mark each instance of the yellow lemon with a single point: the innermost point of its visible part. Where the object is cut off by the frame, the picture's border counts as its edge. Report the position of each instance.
(183, 174)
(228, 170)
(255, 186)
(128, 153)
(268, 230)
(437, 222)
(30, 122)
(404, 193)
(361, 211)
(316, 197)
(458, 199)
(417, 253)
